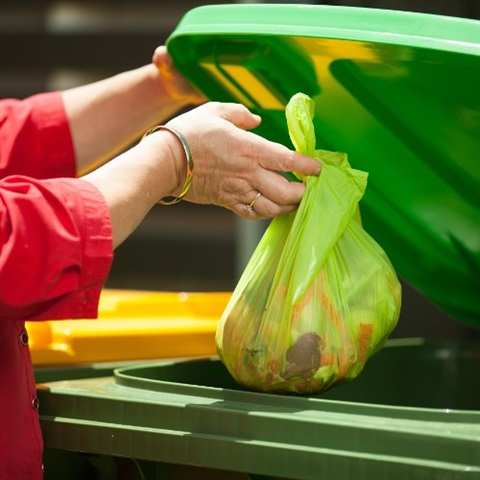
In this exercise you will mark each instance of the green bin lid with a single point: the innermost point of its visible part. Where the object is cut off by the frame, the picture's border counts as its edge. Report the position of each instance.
(397, 91)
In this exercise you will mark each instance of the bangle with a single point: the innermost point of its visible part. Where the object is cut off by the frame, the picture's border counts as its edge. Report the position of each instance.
(188, 181)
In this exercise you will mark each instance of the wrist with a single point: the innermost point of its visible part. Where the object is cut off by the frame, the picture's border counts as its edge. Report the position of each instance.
(182, 160)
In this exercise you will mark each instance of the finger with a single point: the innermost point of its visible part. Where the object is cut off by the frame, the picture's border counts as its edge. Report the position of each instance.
(176, 85)
(262, 207)
(161, 58)
(302, 164)
(290, 161)
(285, 160)
(278, 189)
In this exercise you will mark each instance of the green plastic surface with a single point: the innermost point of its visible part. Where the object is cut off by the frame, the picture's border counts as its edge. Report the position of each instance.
(73, 372)
(411, 372)
(413, 413)
(397, 91)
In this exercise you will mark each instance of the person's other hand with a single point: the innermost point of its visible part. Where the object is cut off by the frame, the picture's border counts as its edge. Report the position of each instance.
(233, 165)
(176, 86)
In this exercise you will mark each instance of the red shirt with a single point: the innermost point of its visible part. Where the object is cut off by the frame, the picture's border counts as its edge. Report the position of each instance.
(55, 254)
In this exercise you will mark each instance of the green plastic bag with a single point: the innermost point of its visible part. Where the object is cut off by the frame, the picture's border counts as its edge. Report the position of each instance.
(319, 295)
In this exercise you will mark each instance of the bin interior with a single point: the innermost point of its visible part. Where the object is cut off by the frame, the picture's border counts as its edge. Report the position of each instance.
(406, 373)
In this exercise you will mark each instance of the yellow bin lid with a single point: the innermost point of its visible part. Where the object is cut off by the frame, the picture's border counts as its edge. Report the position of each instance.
(132, 325)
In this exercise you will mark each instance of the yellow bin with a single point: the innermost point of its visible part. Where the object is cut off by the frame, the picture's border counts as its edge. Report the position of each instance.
(132, 325)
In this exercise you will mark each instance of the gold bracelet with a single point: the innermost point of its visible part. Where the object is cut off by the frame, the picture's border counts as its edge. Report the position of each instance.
(188, 153)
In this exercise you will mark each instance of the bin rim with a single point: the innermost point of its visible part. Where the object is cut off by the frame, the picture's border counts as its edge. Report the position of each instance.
(384, 26)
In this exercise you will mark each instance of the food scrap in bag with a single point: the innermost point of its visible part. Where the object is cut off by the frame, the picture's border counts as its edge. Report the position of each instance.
(319, 295)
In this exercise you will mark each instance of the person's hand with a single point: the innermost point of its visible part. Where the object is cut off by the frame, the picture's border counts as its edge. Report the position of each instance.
(232, 165)
(175, 84)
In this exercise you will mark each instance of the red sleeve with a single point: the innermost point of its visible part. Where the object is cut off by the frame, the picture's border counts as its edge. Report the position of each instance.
(35, 138)
(55, 233)
(56, 248)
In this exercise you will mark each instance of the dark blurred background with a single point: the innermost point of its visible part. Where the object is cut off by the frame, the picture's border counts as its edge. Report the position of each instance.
(48, 45)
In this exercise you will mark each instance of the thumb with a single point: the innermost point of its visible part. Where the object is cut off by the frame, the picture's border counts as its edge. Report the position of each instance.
(175, 84)
(239, 115)
(162, 59)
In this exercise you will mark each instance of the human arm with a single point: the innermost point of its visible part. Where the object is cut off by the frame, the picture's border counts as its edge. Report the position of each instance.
(107, 116)
(55, 248)
(56, 235)
(55, 232)
(231, 165)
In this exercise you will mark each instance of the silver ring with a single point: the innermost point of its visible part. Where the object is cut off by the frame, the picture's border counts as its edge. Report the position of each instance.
(249, 207)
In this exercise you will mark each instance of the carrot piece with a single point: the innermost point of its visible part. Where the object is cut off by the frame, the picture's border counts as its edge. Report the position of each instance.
(327, 358)
(274, 366)
(364, 341)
